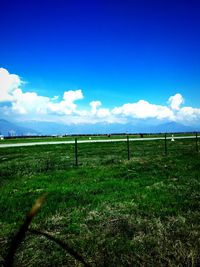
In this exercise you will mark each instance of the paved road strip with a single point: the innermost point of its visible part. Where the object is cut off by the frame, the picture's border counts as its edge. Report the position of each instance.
(93, 141)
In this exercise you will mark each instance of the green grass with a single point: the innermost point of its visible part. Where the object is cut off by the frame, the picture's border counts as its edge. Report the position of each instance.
(114, 212)
(61, 138)
(84, 137)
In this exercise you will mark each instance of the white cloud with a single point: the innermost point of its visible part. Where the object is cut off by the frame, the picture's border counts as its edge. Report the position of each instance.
(30, 105)
(25, 103)
(70, 96)
(99, 112)
(175, 101)
(143, 109)
(188, 114)
(103, 113)
(56, 97)
(67, 105)
(94, 105)
(8, 84)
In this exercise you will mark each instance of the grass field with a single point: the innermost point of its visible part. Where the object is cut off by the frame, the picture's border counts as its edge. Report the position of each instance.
(16, 140)
(114, 212)
(61, 138)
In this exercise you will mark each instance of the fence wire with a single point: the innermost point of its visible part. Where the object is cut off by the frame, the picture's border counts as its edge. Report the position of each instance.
(115, 152)
(44, 158)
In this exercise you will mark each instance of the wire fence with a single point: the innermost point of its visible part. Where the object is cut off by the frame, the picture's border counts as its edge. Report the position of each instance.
(129, 148)
(43, 158)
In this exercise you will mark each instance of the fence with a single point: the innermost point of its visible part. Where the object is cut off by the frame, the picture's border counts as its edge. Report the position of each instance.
(42, 158)
(109, 151)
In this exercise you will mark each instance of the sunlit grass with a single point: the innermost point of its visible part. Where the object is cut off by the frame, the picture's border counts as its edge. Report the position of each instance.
(115, 212)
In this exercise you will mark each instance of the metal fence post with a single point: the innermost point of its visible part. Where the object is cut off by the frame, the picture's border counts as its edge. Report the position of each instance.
(165, 144)
(76, 152)
(197, 149)
(128, 147)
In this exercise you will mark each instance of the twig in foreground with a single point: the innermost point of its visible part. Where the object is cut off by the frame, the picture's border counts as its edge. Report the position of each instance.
(19, 236)
(62, 245)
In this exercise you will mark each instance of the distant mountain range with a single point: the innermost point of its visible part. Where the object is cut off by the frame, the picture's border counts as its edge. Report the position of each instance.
(172, 127)
(50, 128)
(11, 129)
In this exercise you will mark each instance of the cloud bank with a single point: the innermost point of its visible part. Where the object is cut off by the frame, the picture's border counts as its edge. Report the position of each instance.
(16, 103)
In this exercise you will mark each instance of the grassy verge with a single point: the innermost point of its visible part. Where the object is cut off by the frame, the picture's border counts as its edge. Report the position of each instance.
(114, 212)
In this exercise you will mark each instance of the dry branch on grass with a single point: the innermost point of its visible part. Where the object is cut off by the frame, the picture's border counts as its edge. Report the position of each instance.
(20, 235)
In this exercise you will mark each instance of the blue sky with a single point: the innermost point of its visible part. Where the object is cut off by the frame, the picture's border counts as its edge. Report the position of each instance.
(115, 52)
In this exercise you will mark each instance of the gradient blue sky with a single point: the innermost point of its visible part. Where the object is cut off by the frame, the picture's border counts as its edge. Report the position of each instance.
(115, 51)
